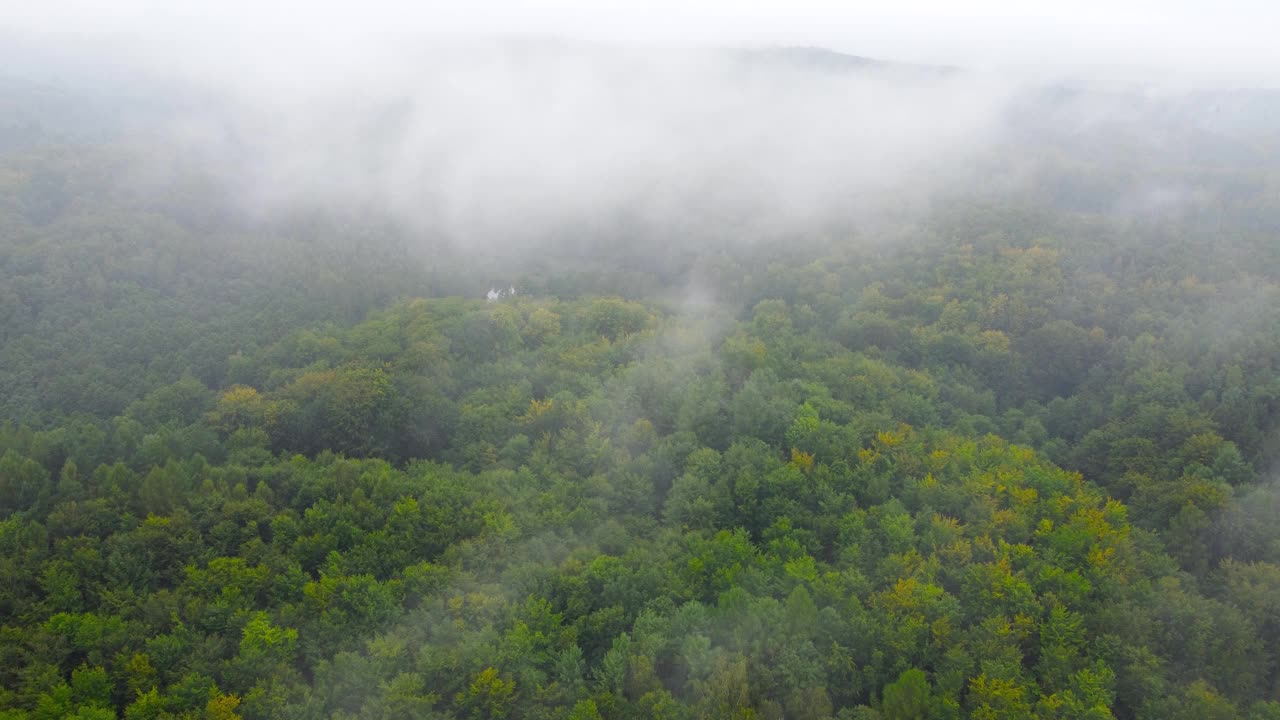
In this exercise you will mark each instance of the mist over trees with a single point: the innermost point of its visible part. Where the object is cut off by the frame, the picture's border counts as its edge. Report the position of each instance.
(824, 387)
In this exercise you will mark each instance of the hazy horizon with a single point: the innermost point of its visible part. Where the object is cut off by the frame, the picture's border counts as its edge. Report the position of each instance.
(1223, 44)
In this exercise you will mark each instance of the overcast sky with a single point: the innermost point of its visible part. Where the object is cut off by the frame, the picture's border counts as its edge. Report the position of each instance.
(1229, 42)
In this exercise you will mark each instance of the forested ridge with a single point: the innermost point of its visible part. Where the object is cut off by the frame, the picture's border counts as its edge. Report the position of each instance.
(1014, 460)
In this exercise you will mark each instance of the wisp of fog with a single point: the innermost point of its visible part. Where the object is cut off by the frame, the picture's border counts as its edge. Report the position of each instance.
(507, 143)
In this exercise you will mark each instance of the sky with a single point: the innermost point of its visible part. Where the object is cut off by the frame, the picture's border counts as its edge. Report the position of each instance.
(1221, 42)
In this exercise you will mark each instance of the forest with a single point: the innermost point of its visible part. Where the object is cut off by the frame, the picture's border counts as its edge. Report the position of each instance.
(1010, 456)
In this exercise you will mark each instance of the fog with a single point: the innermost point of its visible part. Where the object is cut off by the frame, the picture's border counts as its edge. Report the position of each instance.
(509, 143)
(489, 141)
(501, 126)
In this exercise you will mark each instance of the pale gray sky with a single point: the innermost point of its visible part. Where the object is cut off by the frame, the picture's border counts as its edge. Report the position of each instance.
(1228, 42)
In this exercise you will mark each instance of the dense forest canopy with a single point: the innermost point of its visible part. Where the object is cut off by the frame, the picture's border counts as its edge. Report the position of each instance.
(998, 449)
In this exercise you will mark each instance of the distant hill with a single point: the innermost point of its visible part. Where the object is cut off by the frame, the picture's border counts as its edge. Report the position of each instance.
(826, 60)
